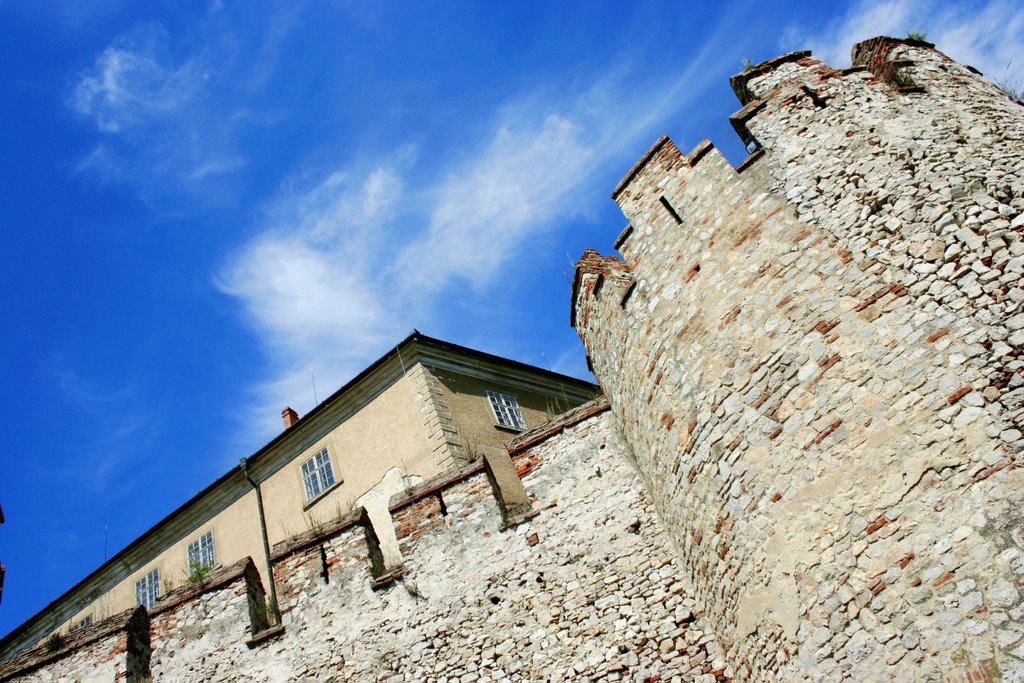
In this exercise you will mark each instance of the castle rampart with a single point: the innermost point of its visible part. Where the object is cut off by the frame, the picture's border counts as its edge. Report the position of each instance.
(815, 360)
(577, 582)
(116, 649)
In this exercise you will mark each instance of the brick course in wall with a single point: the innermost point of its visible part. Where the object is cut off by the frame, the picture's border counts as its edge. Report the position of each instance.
(815, 358)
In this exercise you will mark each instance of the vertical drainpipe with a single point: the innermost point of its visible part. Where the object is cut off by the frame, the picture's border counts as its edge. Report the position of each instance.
(275, 613)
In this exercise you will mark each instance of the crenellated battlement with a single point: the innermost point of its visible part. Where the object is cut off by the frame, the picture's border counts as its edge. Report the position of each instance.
(781, 76)
(116, 649)
(816, 358)
(524, 563)
(814, 361)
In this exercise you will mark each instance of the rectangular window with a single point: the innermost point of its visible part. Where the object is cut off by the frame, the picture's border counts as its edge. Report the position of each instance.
(201, 553)
(147, 589)
(317, 474)
(87, 621)
(506, 410)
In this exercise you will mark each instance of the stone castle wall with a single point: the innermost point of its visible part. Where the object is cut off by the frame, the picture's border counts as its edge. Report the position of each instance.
(582, 590)
(813, 362)
(196, 631)
(580, 584)
(815, 358)
(116, 649)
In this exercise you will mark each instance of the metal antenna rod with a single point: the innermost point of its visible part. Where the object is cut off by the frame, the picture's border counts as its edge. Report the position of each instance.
(316, 401)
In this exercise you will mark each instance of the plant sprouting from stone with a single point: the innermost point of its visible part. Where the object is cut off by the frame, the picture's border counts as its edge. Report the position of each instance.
(198, 572)
(53, 642)
(342, 511)
(917, 34)
(412, 589)
(314, 525)
(1012, 86)
(747, 64)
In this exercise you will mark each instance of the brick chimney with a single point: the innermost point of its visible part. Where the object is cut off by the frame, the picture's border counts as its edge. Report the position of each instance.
(289, 416)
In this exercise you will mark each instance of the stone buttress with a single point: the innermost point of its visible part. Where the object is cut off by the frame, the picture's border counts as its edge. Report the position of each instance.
(815, 358)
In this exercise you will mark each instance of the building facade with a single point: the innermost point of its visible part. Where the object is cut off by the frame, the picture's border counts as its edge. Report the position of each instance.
(424, 407)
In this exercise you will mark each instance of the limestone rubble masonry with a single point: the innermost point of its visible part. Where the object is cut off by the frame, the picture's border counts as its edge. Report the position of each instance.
(812, 360)
(588, 588)
(817, 362)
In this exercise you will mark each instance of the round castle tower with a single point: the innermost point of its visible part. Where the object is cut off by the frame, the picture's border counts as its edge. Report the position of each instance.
(816, 358)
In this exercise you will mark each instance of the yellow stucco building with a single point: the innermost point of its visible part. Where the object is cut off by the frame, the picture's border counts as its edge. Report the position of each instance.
(423, 407)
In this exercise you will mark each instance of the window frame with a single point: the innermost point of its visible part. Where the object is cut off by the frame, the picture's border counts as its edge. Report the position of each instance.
(514, 411)
(315, 484)
(150, 584)
(206, 553)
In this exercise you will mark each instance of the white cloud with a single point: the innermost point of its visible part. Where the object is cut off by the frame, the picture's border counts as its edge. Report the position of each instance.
(133, 81)
(290, 288)
(353, 260)
(540, 165)
(164, 125)
(487, 209)
(987, 35)
(991, 39)
(311, 286)
(351, 263)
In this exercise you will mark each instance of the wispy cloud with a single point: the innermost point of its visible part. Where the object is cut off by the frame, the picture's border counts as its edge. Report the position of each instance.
(351, 255)
(359, 257)
(483, 212)
(988, 35)
(310, 282)
(110, 411)
(134, 81)
(164, 126)
(541, 163)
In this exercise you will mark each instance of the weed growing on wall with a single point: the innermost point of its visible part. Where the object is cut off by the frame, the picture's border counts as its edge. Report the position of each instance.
(198, 572)
(53, 642)
(1012, 86)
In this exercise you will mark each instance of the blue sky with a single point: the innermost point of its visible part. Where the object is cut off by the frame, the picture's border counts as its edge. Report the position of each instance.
(204, 201)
